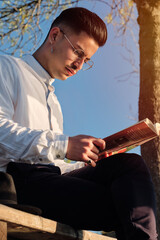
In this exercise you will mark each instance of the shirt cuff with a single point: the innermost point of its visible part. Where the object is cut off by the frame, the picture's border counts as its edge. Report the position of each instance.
(60, 146)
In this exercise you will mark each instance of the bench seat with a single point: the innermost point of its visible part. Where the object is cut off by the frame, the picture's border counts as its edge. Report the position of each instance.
(18, 225)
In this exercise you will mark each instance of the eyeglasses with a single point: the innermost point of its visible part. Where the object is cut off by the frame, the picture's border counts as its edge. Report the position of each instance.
(80, 54)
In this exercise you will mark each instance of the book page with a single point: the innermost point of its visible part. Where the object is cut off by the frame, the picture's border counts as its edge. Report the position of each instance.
(157, 126)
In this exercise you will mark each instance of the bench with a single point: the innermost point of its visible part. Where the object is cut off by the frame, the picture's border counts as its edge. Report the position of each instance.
(18, 225)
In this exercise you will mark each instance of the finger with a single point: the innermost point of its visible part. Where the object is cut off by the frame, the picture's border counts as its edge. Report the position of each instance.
(103, 155)
(93, 156)
(95, 149)
(91, 163)
(100, 143)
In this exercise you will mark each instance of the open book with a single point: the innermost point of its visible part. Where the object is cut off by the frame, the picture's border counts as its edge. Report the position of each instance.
(130, 137)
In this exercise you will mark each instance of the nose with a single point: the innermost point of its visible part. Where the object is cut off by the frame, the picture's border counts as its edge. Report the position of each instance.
(79, 63)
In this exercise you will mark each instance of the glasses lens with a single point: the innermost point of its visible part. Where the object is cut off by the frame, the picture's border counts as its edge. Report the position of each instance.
(80, 54)
(87, 65)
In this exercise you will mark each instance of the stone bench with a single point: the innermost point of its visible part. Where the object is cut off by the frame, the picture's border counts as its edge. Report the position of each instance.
(18, 225)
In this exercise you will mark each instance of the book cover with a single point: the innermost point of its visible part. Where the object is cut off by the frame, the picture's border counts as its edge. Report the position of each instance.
(130, 138)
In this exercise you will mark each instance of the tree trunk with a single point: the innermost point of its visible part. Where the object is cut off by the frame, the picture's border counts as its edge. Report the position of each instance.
(149, 96)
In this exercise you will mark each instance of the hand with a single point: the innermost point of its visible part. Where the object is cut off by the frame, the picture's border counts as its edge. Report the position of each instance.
(85, 148)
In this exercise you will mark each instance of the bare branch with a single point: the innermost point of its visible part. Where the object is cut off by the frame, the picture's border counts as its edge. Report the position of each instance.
(22, 19)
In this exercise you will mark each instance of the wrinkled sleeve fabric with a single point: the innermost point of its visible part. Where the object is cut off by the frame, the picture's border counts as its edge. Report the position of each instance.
(17, 142)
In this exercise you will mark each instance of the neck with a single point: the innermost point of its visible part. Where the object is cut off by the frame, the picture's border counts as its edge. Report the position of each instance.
(40, 56)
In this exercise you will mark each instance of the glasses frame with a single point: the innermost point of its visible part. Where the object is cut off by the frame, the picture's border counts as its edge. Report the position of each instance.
(90, 63)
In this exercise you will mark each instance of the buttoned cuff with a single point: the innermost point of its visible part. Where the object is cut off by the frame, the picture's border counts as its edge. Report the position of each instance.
(60, 146)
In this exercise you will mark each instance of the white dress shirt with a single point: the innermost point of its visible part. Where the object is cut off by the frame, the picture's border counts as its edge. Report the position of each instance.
(31, 121)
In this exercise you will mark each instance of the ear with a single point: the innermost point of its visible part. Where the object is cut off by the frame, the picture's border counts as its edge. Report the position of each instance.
(53, 34)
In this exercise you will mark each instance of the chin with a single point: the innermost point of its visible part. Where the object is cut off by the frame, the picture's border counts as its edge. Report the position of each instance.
(63, 77)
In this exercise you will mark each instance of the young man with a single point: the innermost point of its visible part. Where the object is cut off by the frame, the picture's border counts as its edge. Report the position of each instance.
(115, 193)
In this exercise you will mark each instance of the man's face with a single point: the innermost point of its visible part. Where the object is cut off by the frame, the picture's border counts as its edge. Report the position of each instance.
(63, 62)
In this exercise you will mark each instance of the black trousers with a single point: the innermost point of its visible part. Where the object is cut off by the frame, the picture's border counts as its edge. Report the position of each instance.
(116, 195)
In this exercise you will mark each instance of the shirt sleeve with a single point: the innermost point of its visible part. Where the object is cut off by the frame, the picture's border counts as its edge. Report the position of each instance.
(18, 142)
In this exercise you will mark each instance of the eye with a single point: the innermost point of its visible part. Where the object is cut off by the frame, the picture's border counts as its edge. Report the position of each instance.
(86, 60)
(79, 53)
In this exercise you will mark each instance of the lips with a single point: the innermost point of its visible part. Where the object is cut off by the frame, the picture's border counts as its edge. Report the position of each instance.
(70, 71)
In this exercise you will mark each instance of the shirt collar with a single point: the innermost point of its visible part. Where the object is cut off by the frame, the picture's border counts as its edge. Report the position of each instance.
(35, 65)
